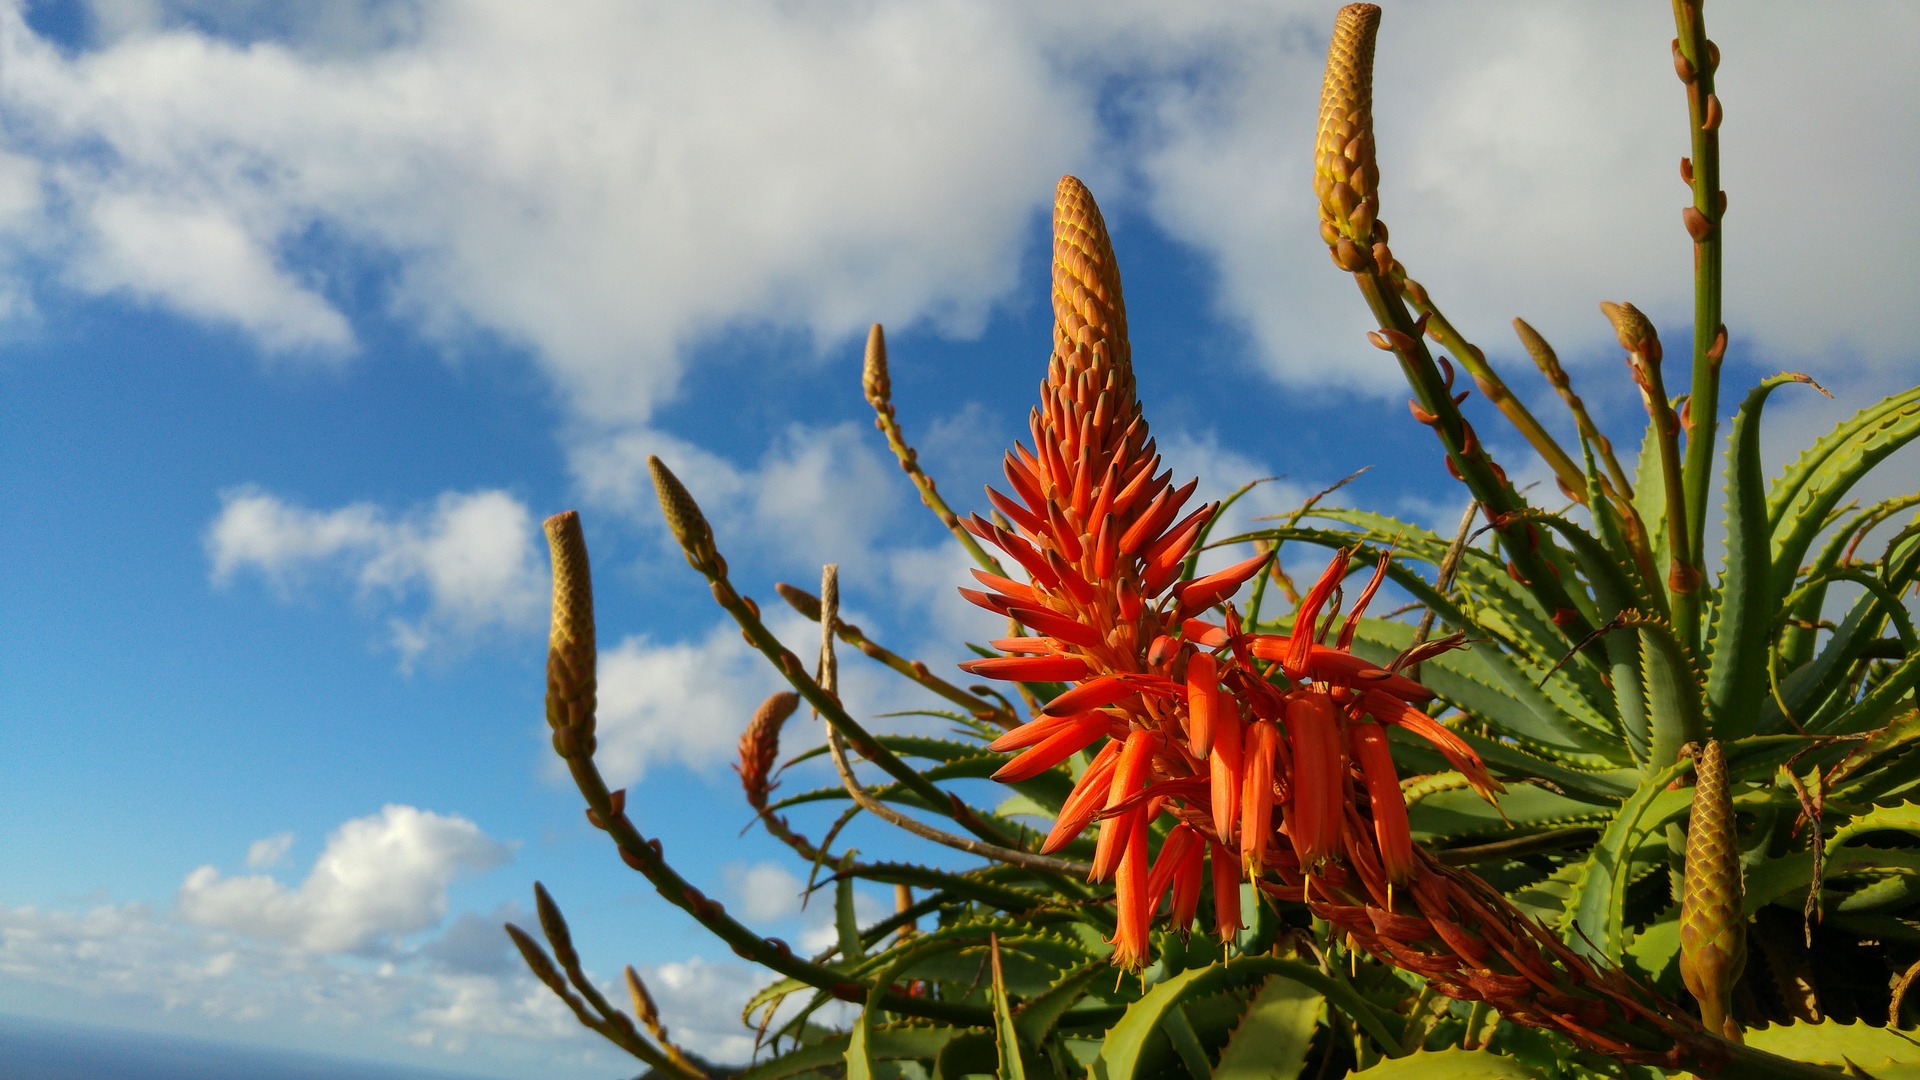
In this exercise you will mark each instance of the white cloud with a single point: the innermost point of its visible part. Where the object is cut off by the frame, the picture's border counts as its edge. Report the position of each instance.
(609, 184)
(816, 495)
(380, 877)
(472, 554)
(602, 182)
(683, 702)
(1528, 160)
(204, 264)
(766, 891)
(266, 853)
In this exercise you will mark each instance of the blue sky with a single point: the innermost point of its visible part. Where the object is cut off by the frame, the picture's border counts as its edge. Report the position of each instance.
(306, 320)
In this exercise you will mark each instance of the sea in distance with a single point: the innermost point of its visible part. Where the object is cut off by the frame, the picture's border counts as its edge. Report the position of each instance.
(45, 1050)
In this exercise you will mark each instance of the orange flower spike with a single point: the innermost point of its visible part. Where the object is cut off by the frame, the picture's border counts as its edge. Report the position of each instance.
(1203, 687)
(1129, 776)
(1319, 777)
(1226, 892)
(1256, 793)
(1390, 828)
(1360, 606)
(1085, 801)
(1226, 767)
(1130, 894)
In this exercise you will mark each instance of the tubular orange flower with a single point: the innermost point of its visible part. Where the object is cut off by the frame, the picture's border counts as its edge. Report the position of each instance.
(1383, 796)
(1318, 797)
(1202, 689)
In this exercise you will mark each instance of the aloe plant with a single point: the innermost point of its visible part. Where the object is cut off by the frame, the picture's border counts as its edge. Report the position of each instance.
(1623, 775)
(1607, 648)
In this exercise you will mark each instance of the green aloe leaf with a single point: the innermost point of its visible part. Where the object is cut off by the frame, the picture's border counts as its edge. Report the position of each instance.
(915, 746)
(1650, 499)
(1006, 1038)
(1489, 686)
(1036, 1017)
(1902, 818)
(1812, 486)
(1675, 695)
(1122, 1053)
(1833, 1043)
(1635, 836)
(1742, 619)
(1605, 788)
(1462, 814)
(1817, 689)
(1452, 1063)
(852, 950)
(1797, 639)
(1785, 877)
(1273, 1036)
(891, 1042)
(1186, 1043)
(1880, 704)
(863, 1047)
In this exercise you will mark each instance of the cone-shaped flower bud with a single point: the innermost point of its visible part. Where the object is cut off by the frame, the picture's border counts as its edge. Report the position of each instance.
(684, 519)
(1345, 175)
(1713, 927)
(873, 377)
(1635, 330)
(760, 746)
(571, 683)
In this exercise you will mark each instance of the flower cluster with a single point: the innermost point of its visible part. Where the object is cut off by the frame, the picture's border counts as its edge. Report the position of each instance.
(1268, 751)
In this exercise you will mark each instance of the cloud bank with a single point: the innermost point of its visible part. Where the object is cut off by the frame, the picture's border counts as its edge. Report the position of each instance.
(608, 185)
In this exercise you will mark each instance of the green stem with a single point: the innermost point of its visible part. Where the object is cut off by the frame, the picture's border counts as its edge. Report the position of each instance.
(645, 857)
(1697, 57)
(1520, 539)
(1495, 389)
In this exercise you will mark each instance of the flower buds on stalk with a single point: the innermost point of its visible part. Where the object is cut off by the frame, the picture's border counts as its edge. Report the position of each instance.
(760, 746)
(1713, 926)
(571, 682)
(1345, 175)
(684, 519)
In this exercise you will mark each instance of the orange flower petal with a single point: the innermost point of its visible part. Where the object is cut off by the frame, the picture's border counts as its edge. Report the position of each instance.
(1317, 815)
(1072, 737)
(1087, 799)
(1053, 624)
(1028, 668)
(1202, 687)
(1202, 593)
(1391, 710)
(1129, 776)
(1130, 895)
(1226, 892)
(1256, 794)
(1390, 828)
